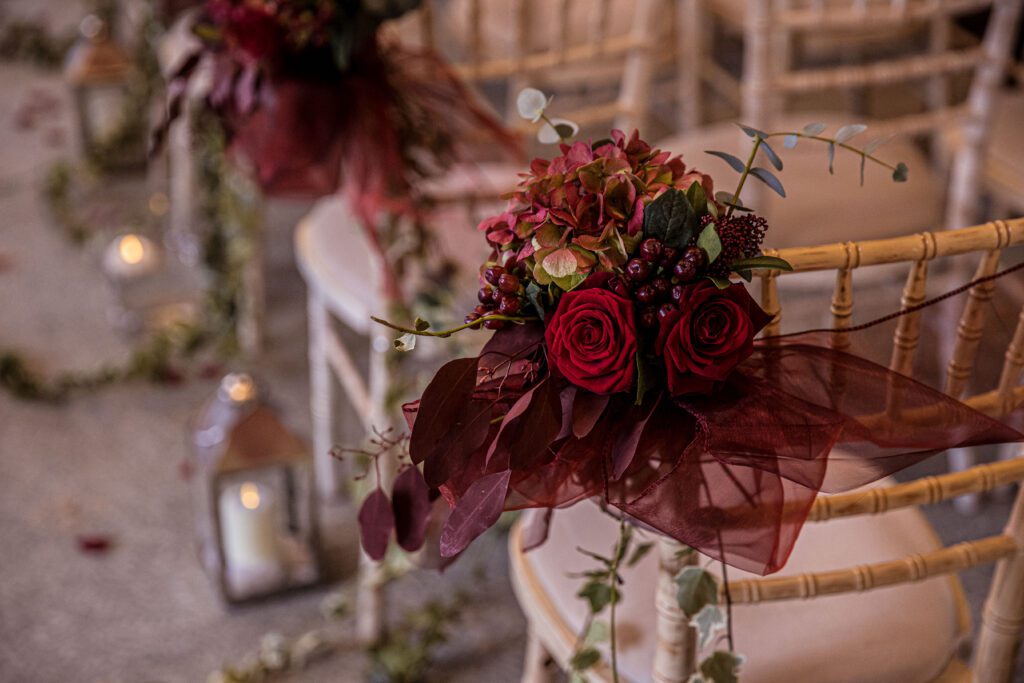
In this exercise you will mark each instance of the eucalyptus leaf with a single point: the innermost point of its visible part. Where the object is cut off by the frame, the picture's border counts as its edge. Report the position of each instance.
(721, 667)
(407, 342)
(710, 242)
(863, 162)
(848, 131)
(695, 588)
(671, 219)
(726, 198)
(831, 158)
(769, 179)
(816, 128)
(771, 262)
(708, 621)
(641, 551)
(772, 156)
(876, 143)
(789, 142)
(752, 132)
(900, 174)
(730, 159)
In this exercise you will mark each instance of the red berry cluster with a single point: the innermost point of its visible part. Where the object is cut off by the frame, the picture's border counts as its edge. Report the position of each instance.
(502, 294)
(741, 237)
(656, 278)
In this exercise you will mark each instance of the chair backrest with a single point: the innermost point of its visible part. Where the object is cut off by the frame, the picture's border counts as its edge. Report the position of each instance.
(584, 50)
(1004, 611)
(769, 79)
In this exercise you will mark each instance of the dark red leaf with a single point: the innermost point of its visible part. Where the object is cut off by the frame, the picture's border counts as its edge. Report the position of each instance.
(586, 410)
(536, 524)
(529, 427)
(507, 346)
(475, 513)
(626, 441)
(410, 500)
(441, 416)
(376, 520)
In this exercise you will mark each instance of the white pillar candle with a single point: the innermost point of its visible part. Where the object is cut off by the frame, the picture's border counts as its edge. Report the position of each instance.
(248, 518)
(130, 256)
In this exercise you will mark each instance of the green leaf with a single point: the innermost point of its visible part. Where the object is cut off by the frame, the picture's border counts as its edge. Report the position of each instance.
(641, 551)
(698, 200)
(421, 325)
(847, 132)
(789, 142)
(745, 274)
(598, 594)
(533, 294)
(720, 282)
(407, 342)
(814, 128)
(696, 588)
(725, 198)
(598, 633)
(769, 179)
(752, 132)
(641, 380)
(709, 620)
(721, 667)
(710, 242)
(584, 659)
(570, 282)
(733, 161)
(772, 156)
(900, 174)
(770, 262)
(671, 219)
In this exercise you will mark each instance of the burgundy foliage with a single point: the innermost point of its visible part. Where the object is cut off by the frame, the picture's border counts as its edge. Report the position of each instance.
(376, 522)
(410, 500)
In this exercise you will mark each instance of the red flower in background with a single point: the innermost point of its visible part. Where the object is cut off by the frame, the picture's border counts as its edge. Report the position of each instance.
(591, 340)
(710, 335)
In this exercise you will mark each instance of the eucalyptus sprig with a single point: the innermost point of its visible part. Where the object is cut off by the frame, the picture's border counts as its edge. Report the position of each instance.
(421, 328)
(812, 131)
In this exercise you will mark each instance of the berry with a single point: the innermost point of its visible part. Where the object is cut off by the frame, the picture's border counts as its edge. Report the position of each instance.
(508, 283)
(638, 270)
(685, 271)
(481, 309)
(619, 286)
(485, 295)
(648, 317)
(650, 250)
(698, 256)
(677, 293)
(661, 287)
(494, 324)
(646, 294)
(665, 310)
(669, 255)
(492, 274)
(509, 305)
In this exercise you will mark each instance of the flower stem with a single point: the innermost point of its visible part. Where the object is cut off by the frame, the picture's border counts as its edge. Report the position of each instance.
(743, 176)
(613, 579)
(518, 320)
(545, 119)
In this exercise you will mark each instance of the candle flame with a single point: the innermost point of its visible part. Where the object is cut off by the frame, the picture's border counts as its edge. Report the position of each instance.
(130, 249)
(241, 388)
(250, 495)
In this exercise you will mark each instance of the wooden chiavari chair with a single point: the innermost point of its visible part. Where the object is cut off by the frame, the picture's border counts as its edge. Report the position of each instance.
(869, 594)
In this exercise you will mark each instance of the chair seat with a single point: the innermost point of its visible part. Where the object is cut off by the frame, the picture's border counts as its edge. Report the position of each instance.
(820, 208)
(335, 257)
(902, 634)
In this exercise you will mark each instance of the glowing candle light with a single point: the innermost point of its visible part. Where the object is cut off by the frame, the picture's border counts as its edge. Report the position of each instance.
(131, 256)
(248, 516)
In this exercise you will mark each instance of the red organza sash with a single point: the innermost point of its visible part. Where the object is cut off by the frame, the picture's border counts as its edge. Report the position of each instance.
(733, 475)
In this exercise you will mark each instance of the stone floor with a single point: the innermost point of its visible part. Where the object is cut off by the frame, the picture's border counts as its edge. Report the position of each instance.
(109, 464)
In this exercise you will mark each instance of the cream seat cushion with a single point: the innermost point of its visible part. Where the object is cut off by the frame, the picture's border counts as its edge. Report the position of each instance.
(902, 634)
(820, 208)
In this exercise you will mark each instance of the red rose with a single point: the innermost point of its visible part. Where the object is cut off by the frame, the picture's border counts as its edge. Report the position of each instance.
(711, 334)
(591, 340)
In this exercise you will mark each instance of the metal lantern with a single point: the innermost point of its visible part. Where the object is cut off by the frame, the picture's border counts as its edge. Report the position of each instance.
(100, 75)
(255, 506)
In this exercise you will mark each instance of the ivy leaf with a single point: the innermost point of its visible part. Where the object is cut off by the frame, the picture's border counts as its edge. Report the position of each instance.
(769, 179)
(533, 294)
(816, 128)
(710, 242)
(641, 551)
(721, 667)
(696, 587)
(847, 132)
(770, 262)
(709, 620)
(697, 198)
(598, 593)
(598, 633)
(671, 219)
(733, 161)
(584, 659)
(831, 158)
(772, 156)
(407, 342)
(900, 174)
(789, 142)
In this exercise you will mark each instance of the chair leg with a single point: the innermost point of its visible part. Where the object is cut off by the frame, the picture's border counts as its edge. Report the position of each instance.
(537, 667)
(321, 398)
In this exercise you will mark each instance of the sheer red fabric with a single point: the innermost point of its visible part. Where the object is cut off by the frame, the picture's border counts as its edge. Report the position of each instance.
(732, 475)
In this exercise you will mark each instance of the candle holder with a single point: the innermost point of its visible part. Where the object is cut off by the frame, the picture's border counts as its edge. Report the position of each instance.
(255, 508)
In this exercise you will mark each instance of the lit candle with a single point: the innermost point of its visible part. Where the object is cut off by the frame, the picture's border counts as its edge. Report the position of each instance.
(248, 517)
(130, 256)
